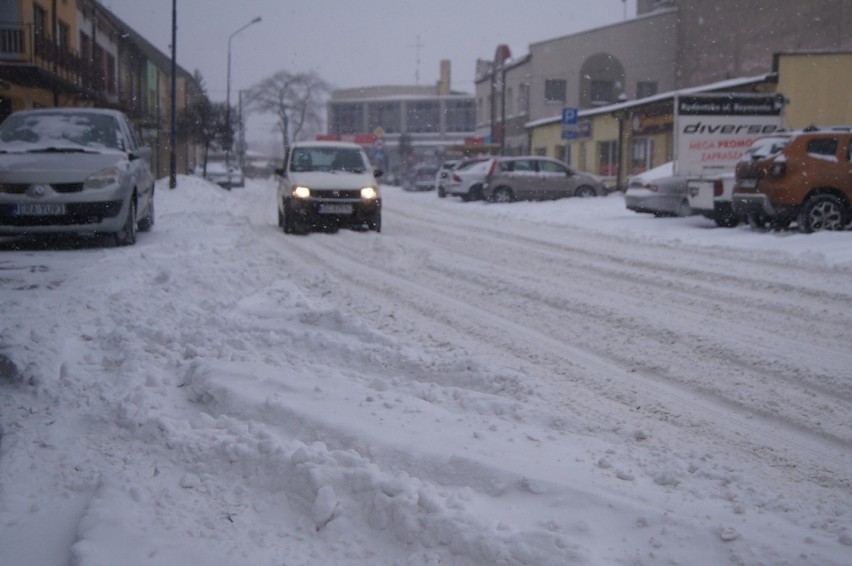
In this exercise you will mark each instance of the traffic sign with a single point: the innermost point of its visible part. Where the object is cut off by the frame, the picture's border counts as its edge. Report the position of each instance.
(569, 116)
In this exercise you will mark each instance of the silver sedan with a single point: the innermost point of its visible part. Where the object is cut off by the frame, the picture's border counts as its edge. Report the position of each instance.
(658, 191)
(74, 171)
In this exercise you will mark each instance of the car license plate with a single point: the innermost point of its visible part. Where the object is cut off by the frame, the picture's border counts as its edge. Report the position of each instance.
(335, 209)
(40, 209)
(748, 183)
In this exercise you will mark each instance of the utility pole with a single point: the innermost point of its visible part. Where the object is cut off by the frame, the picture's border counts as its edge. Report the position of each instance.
(173, 133)
(417, 46)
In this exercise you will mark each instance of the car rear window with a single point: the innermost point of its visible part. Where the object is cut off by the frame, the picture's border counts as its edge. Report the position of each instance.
(823, 146)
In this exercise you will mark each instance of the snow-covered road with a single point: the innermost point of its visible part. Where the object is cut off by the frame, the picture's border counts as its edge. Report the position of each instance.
(532, 383)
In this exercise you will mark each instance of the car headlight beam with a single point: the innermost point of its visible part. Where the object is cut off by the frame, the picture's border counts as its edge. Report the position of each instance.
(301, 192)
(369, 193)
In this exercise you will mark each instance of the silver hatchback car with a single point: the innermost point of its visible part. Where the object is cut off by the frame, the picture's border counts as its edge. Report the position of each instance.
(75, 171)
(537, 178)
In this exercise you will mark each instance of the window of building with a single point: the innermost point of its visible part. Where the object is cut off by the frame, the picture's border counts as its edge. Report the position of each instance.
(63, 37)
(460, 116)
(563, 153)
(523, 98)
(509, 101)
(85, 46)
(644, 89)
(607, 159)
(98, 66)
(642, 155)
(40, 29)
(601, 92)
(554, 91)
(347, 118)
(424, 117)
(385, 115)
(110, 74)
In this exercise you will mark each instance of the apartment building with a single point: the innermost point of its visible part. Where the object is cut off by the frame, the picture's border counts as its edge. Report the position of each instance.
(77, 53)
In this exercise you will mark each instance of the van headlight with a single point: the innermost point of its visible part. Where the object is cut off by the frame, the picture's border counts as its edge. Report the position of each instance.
(301, 192)
(102, 179)
(369, 193)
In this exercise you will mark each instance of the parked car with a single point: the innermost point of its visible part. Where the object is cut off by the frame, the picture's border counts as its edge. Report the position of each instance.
(443, 174)
(225, 175)
(803, 177)
(467, 178)
(711, 198)
(422, 178)
(75, 171)
(658, 191)
(328, 184)
(536, 178)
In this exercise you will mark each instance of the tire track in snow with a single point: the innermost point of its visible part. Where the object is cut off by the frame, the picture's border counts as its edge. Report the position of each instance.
(551, 354)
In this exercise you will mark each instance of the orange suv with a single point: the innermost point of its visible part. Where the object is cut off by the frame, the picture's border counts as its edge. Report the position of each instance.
(803, 176)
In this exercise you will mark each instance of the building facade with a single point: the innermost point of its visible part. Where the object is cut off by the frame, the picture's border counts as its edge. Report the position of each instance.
(405, 125)
(77, 53)
(814, 85)
(669, 45)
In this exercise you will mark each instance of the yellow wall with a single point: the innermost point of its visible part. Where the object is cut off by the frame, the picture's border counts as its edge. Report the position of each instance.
(819, 87)
(604, 128)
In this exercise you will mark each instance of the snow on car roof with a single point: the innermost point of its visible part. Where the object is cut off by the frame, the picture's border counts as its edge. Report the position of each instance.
(658, 172)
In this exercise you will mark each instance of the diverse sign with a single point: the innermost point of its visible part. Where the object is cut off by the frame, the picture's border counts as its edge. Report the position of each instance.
(712, 131)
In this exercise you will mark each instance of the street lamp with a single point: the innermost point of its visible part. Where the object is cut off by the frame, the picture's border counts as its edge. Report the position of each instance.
(228, 102)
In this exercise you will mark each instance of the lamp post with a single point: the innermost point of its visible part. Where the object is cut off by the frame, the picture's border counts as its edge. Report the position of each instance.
(228, 102)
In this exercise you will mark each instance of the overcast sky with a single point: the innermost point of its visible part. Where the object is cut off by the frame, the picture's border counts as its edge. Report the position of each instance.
(353, 43)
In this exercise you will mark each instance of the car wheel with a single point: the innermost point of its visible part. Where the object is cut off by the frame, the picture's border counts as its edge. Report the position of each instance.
(683, 209)
(127, 235)
(286, 221)
(147, 223)
(442, 192)
(823, 212)
(756, 222)
(726, 220)
(475, 193)
(585, 191)
(375, 222)
(502, 194)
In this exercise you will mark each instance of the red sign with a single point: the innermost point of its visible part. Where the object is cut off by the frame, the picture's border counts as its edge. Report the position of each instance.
(363, 139)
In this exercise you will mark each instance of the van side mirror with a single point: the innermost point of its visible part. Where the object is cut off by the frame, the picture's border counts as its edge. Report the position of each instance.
(279, 171)
(378, 173)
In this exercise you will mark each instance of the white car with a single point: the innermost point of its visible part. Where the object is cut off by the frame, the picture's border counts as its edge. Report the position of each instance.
(226, 176)
(711, 198)
(467, 179)
(658, 191)
(328, 184)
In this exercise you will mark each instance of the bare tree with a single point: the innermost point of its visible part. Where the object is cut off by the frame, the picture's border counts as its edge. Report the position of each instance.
(296, 99)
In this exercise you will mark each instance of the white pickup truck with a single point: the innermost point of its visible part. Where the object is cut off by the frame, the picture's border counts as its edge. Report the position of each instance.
(711, 198)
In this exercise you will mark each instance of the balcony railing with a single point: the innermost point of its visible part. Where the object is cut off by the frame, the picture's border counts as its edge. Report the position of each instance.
(19, 45)
(11, 42)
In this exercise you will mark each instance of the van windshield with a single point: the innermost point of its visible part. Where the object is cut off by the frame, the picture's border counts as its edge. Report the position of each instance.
(327, 159)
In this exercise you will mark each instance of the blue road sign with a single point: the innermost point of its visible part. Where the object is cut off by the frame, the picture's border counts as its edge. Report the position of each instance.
(569, 116)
